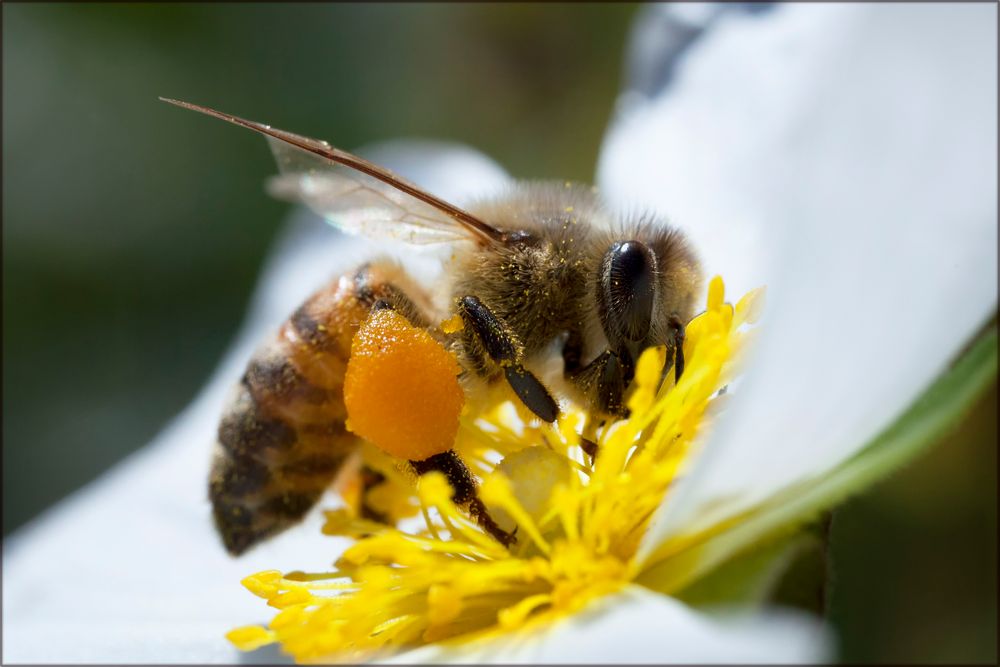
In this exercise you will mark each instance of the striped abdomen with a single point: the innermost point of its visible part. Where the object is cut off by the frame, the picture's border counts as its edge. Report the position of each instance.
(282, 440)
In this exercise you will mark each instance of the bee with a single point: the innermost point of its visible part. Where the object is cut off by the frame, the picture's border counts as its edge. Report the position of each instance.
(544, 269)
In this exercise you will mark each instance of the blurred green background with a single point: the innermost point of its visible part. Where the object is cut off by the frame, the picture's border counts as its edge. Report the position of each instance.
(133, 232)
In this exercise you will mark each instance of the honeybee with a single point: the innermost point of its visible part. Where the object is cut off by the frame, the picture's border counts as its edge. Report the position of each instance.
(543, 265)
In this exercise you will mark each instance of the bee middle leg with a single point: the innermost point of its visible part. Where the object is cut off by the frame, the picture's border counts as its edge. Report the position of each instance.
(502, 346)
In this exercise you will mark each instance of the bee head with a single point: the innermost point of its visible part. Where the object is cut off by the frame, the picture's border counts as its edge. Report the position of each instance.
(642, 284)
(626, 292)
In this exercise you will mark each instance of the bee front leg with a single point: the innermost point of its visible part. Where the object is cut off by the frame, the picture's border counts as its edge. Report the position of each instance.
(503, 348)
(678, 328)
(611, 383)
(677, 361)
(604, 380)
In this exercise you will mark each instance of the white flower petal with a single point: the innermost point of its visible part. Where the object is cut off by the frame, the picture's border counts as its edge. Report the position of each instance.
(129, 569)
(130, 563)
(859, 139)
(703, 153)
(456, 173)
(639, 626)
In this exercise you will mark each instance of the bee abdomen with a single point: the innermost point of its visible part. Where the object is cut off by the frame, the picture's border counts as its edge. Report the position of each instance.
(282, 441)
(267, 473)
(282, 438)
(281, 390)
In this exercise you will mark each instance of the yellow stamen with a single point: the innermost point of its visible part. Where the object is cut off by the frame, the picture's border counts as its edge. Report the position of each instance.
(579, 520)
(250, 637)
(513, 616)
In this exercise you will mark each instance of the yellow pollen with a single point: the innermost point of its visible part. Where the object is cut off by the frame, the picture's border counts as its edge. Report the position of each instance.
(453, 324)
(579, 519)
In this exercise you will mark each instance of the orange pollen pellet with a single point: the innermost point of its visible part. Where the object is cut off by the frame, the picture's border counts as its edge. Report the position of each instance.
(401, 388)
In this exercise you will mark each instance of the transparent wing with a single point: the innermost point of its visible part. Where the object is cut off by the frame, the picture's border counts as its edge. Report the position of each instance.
(356, 202)
(356, 195)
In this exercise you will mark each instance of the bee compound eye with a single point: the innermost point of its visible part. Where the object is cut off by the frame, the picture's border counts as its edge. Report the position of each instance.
(627, 291)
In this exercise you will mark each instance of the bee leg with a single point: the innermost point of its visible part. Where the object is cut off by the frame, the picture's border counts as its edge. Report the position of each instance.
(370, 479)
(589, 447)
(502, 346)
(611, 383)
(678, 361)
(605, 379)
(678, 328)
(675, 355)
(449, 463)
(463, 491)
(532, 392)
(572, 353)
(379, 294)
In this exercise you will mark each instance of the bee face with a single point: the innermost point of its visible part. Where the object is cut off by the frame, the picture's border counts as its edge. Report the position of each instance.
(646, 288)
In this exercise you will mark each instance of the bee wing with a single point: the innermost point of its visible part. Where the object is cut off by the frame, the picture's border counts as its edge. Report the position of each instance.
(356, 195)
(356, 202)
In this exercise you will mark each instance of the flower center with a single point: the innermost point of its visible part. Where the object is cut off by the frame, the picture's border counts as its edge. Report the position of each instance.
(579, 519)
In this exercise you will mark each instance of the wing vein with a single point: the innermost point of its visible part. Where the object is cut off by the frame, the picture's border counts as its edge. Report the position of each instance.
(319, 184)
